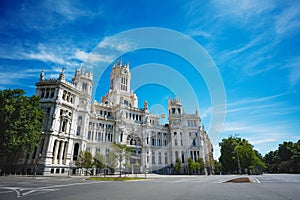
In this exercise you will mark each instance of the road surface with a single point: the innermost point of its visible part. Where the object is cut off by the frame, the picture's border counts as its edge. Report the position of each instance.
(275, 186)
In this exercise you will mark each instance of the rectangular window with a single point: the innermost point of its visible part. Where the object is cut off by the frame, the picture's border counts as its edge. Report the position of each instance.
(153, 141)
(99, 136)
(166, 158)
(89, 135)
(153, 157)
(159, 158)
(78, 130)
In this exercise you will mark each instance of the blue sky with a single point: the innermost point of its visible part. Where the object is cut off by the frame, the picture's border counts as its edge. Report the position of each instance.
(253, 44)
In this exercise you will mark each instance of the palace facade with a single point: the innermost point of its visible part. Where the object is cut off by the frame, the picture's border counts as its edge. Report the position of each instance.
(74, 123)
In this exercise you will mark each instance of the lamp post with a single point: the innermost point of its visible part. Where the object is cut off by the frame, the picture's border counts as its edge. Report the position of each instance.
(238, 158)
(239, 164)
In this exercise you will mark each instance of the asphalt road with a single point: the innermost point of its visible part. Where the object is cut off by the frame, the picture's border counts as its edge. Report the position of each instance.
(279, 186)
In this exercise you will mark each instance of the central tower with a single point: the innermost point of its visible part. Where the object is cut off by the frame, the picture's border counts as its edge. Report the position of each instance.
(120, 78)
(120, 92)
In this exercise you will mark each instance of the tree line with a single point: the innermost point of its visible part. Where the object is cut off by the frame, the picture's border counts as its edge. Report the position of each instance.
(117, 157)
(191, 168)
(286, 159)
(239, 157)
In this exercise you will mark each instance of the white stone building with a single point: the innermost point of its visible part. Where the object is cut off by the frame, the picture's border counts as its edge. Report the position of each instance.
(73, 123)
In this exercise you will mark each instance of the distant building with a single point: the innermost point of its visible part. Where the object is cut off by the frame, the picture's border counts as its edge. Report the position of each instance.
(73, 123)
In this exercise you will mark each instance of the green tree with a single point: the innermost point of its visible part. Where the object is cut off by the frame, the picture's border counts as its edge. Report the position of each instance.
(285, 159)
(199, 165)
(218, 167)
(238, 154)
(99, 162)
(21, 121)
(190, 165)
(246, 155)
(272, 160)
(111, 161)
(178, 166)
(85, 160)
(127, 166)
(122, 153)
(228, 154)
(257, 166)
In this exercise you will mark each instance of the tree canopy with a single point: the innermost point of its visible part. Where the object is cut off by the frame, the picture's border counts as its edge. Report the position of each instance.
(20, 123)
(238, 155)
(122, 153)
(285, 159)
(85, 159)
(178, 166)
(99, 161)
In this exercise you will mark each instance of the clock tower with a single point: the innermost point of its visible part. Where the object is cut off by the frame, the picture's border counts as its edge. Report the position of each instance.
(120, 92)
(120, 78)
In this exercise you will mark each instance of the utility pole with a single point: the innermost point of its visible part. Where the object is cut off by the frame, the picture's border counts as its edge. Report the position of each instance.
(239, 164)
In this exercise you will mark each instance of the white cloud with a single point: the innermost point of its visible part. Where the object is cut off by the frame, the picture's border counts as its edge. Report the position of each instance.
(206, 112)
(294, 67)
(255, 100)
(71, 10)
(252, 43)
(44, 56)
(197, 33)
(115, 43)
(93, 57)
(288, 19)
(242, 10)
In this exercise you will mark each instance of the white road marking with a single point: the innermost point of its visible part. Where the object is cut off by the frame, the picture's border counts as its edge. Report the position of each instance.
(21, 191)
(255, 179)
(6, 192)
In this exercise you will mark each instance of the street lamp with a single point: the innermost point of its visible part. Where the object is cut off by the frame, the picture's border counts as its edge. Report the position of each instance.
(239, 164)
(237, 156)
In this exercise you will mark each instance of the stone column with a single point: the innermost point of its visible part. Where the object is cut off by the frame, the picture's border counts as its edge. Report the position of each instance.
(64, 157)
(61, 147)
(56, 142)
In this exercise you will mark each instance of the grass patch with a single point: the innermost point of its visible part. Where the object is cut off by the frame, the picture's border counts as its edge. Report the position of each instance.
(114, 178)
